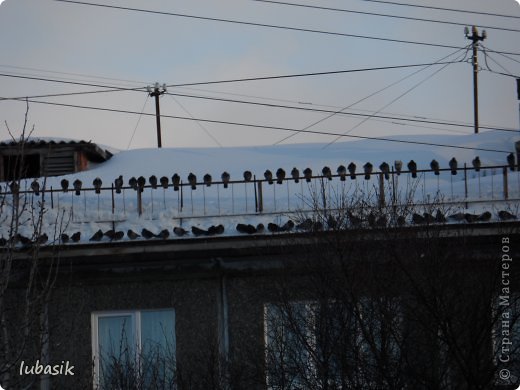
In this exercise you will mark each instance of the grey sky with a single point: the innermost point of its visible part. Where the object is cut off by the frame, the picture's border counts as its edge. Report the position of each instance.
(56, 40)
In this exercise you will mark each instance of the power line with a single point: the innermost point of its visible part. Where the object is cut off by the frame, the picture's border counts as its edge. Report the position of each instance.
(273, 26)
(138, 121)
(262, 78)
(383, 15)
(266, 127)
(444, 9)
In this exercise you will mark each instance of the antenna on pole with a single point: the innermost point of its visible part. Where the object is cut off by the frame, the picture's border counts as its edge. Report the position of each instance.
(156, 92)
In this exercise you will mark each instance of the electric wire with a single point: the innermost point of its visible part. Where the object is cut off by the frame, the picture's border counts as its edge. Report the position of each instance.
(416, 85)
(197, 122)
(365, 98)
(265, 25)
(267, 127)
(410, 18)
(444, 9)
(138, 121)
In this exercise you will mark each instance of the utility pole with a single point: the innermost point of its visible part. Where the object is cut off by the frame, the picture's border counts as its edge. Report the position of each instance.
(475, 38)
(156, 92)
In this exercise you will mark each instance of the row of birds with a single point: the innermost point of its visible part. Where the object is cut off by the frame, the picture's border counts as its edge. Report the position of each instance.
(139, 183)
(355, 221)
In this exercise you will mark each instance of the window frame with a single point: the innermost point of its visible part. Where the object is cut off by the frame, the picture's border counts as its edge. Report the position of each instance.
(136, 319)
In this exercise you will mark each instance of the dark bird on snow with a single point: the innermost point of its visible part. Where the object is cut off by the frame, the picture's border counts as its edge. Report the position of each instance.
(476, 164)
(332, 223)
(22, 239)
(453, 166)
(418, 219)
(64, 185)
(164, 182)
(305, 225)
(198, 231)
(511, 161)
(470, 217)
(485, 216)
(77, 186)
(141, 182)
(153, 181)
(132, 235)
(110, 234)
(133, 183)
(295, 174)
(428, 218)
(439, 217)
(176, 180)
(245, 229)
(14, 186)
(118, 184)
(164, 234)
(225, 179)
(342, 172)
(268, 176)
(64, 237)
(434, 165)
(97, 236)
(192, 179)
(457, 217)
(97, 184)
(35, 186)
(307, 173)
(401, 221)
(219, 229)
(147, 234)
(327, 172)
(76, 237)
(119, 235)
(287, 226)
(412, 167)
(506, 215)
(280, 176)
(385, 168)
(352, 170)
(272, 227)
(398, 165)
(260, 228)
(207, 179)
(248, 175)
(42, 239)
(178, 231)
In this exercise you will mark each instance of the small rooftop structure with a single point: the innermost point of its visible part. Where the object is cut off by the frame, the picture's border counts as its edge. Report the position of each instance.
(39, 157)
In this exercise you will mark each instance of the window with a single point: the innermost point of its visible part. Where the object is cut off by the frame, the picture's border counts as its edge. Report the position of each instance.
(134, 349)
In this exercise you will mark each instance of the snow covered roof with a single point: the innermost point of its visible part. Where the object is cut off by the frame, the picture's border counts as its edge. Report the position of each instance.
(468, 196)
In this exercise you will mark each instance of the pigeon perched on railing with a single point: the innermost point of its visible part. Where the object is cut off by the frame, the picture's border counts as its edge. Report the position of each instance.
(97, 184)
(153, 181)
(412, 167)
(295, 174)
(76, 237)
(268, 176)
(248, 175)
(280, 176)
(118, 184)
(434, 165)
(77, 186)
(307, 173)
(176, 180)
(207, 179)
(192, 179)
(64, 185)
(178, 231)
(35, 186)
(385, 168)
(398, 165)
(225, 179)
(342, 172)
(511, 161)
(64, 237)
(164, 182)
(327, 172)
(147, 234)
(368, 170)
(352, 170)
(453, 166)
(133, 183)
(476, 164)
(141, 182)
(132, 235)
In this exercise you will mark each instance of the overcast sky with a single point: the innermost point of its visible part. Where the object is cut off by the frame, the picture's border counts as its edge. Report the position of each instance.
(107, 47)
